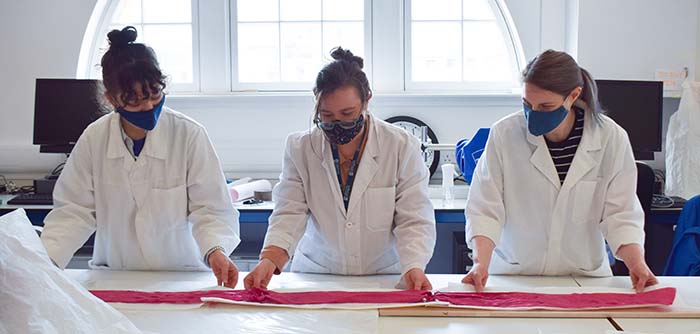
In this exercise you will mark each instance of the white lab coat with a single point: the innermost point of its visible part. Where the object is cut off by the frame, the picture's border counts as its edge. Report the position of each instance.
(390, 223)
(162, 211)
(541, 227)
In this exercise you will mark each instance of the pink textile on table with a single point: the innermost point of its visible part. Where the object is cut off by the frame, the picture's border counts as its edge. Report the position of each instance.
(265, 297)
(570, 301)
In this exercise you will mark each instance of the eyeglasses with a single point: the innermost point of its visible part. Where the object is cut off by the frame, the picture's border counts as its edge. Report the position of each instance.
(347, 125)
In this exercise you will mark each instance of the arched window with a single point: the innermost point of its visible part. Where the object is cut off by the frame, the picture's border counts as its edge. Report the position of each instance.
(279, 45)
(168, 26)
(460, 45)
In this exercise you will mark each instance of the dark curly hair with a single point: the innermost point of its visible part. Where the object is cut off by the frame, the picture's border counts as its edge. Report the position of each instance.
(126, 64)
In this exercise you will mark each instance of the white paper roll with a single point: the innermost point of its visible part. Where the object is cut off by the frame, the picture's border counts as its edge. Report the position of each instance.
(244, 191)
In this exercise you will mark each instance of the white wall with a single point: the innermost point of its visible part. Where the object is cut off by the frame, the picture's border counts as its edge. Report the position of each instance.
(39, 38)
(630, 39)
(249, 131)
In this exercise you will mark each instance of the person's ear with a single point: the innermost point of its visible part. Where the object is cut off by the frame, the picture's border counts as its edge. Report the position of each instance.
(575, 94)
(369, 97)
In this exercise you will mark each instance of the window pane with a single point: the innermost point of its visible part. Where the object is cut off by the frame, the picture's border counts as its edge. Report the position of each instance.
(127, 11)
(344, 10)
(349, 35)
(436, 51)
(301, 56)
(436, 9)
(257, 10)
(300, 10)
(478, 10)
(258, 52)
(485, 53)
(167, 11)
(173, 46)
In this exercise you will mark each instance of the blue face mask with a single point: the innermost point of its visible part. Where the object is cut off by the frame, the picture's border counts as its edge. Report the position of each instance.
(143, 119)
(543, 122)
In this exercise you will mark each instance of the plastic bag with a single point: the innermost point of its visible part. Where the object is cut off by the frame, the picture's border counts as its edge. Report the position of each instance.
(36, 297)
(468, 152)
(683, 145)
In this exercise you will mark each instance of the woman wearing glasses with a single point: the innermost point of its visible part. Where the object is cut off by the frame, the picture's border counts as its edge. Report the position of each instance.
(145, 178)
(353, 193)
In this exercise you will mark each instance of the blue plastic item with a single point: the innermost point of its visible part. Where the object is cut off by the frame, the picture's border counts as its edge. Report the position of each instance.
(469, 151)
(684, 259)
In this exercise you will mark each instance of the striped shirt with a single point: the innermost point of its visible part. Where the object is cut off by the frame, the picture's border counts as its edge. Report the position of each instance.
(563, 152)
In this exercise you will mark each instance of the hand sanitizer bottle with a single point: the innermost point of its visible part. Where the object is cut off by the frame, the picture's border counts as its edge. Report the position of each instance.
(448, 185)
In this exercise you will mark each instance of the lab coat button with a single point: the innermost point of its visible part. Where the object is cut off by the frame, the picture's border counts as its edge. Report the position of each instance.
(348, 225)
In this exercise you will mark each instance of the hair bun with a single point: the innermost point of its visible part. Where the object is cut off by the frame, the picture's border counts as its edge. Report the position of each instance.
(339, 53)
(121, 38)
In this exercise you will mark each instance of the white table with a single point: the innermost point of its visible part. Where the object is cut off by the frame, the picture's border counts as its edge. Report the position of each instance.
(688, 289)
(222, 319)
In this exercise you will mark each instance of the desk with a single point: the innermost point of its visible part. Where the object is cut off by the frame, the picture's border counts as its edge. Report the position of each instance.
(448, 248)
(688, 289)
(253, 226)
(227, 319)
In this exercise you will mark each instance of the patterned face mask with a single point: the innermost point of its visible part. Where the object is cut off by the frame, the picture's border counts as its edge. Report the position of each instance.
(341, 132)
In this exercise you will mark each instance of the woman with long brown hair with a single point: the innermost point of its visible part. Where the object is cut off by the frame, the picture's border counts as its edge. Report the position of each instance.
(555, 182)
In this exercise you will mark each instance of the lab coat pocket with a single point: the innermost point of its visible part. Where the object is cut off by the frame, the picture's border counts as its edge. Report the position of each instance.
(303, 263)
(582, 202)
(169, 207)
(379, 205)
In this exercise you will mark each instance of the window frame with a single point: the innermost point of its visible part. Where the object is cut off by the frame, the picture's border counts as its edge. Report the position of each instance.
(92, 69)
(515, 54)
(387, 30)
(237, 86)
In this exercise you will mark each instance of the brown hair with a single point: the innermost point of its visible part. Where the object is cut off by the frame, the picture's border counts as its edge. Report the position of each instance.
(127, 63)
(558, 72)
(344, 70)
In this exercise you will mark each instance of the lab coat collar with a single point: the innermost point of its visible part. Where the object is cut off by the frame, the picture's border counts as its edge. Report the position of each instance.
(368, 165)
(156, 142)
(583, 161)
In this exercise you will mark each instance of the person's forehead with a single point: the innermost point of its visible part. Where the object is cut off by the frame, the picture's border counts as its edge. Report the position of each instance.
(341, 99)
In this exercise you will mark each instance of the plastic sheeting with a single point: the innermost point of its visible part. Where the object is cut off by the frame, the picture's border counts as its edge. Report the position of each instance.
(683, 145)
(36, 297)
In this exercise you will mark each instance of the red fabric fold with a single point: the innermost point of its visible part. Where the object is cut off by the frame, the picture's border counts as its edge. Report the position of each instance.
(265, 297)
(578, 301)
(573, 301)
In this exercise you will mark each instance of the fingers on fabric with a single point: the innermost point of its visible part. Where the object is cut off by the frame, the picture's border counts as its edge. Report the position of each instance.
(248, 281)
(232, 277)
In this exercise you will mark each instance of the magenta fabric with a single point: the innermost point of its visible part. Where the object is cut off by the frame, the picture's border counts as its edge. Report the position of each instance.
(663, 296)
(579, 301)
(265, 297)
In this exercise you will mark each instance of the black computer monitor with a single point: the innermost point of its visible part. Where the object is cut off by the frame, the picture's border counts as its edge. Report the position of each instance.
(637, 107)
(63, 108)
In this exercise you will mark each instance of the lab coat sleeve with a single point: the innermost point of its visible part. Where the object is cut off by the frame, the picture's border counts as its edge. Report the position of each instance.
(72, 220)
(288, 220)
(214, 219)
(623, 216)
(485, 211)
(414, 218)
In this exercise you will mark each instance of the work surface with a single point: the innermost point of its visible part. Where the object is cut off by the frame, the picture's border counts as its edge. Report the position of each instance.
(231, 319)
